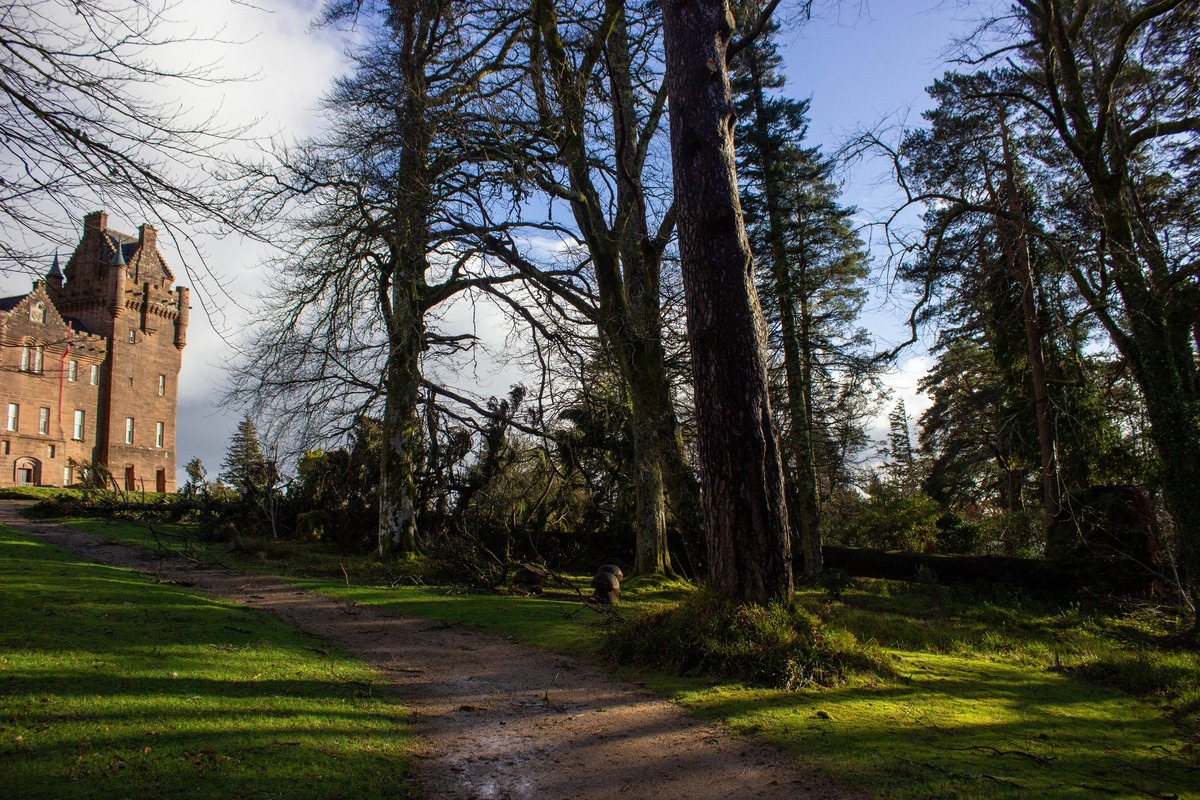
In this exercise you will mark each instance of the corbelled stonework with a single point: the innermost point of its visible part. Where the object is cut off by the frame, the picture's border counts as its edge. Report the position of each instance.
(89, 365)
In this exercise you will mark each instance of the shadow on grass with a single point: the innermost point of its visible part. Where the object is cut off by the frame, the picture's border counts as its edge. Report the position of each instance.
(113, 686)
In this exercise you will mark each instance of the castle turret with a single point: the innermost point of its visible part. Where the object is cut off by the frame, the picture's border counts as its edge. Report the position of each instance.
(116, 301)
(181, 319)
(54, 278)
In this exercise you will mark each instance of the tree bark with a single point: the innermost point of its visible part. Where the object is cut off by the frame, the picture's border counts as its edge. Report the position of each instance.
(1014, 240)
(741, 473)
(805, 515)
(402, 296)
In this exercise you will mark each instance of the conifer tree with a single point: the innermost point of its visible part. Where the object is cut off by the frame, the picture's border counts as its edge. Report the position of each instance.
(811, 267)
(245, 465)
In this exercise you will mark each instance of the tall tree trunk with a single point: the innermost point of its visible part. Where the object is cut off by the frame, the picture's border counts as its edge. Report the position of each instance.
(1015, 243)
(402, 382)
(805, 516)
(741, 473)
(402, 297)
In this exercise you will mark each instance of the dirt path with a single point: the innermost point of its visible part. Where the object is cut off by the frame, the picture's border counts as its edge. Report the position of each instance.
(497, 720)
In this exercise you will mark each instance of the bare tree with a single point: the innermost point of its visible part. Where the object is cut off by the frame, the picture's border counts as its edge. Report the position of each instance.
(82, 120)
(377, 213)
(595, 119)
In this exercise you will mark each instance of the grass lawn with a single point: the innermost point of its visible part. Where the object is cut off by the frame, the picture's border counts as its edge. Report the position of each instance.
(113, 686)
(996, 698)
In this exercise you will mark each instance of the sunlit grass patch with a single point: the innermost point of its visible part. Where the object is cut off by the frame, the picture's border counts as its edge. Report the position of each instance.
(114, 686)
(995, 695)
(967, 728)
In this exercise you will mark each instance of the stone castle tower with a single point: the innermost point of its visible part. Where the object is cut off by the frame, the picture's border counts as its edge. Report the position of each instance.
(90, 365)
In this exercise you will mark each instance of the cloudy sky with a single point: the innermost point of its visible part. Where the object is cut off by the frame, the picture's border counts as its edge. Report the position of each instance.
(862, 63)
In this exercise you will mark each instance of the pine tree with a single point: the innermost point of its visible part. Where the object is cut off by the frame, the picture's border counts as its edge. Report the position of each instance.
(245, 465)
(811, 269)
(900, 462)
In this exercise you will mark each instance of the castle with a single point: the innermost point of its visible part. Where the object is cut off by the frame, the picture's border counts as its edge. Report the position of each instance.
(89, 366)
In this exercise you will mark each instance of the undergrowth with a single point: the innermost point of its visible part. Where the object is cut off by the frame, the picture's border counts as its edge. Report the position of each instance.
(774, 646)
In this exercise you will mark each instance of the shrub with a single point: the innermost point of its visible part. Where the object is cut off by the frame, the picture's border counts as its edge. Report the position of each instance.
(773, 646)
(890, 518)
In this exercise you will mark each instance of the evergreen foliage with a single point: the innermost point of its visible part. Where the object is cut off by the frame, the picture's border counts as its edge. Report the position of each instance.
(245, 468)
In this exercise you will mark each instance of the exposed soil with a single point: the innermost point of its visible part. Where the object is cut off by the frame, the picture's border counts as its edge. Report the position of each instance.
(499, 720)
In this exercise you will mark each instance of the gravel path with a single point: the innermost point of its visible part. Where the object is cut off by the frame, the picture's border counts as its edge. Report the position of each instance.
(499, 720)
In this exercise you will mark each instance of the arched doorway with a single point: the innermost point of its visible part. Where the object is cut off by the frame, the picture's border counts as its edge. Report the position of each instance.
(27, 472)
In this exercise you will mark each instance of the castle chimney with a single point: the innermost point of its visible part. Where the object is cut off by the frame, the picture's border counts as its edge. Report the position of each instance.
(147, 238)
(149, 324)
(181, 319)
(95, 221)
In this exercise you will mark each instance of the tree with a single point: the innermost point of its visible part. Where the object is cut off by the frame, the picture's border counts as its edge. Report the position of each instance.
(376, 211)
(973, 163)
(245, 465)
(197, 482)
(583, 58)
(1114, 86)
(812, 268)
(741, 471)
(78, 126)
(900, 463)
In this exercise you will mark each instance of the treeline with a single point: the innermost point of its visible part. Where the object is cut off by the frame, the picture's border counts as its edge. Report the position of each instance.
(514, 157)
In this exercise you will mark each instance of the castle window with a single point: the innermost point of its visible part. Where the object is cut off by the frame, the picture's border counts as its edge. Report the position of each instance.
(132, 336)
(53, 450)
(68, 476)
(32, 357)
(162, 385)
(14, 416)
(95, 375)
(129, 430)
(72, 370)
(43, 420)
(7, 447)
(159, 431)
(37, 313)
(78, 433)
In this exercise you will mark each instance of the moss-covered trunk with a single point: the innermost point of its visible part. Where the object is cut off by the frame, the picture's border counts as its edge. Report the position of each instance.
(402, 292)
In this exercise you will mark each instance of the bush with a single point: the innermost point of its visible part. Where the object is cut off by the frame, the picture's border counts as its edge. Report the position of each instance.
(772, 646)
(957, 535)
(891, 518)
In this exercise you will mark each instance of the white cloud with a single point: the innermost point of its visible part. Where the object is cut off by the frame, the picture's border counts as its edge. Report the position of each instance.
(902, 381)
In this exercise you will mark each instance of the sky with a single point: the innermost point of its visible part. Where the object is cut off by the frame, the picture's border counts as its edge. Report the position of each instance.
(863, 64)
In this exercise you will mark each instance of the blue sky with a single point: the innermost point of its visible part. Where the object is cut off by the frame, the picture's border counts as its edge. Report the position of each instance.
(860, 62)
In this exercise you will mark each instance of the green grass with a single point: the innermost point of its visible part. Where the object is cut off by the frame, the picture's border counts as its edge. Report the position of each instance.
(113, 686)
(970, 728)
(997, 696)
